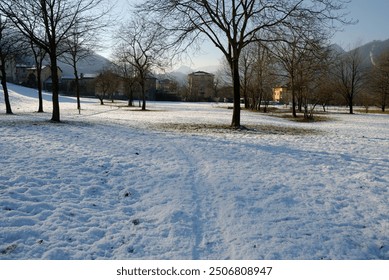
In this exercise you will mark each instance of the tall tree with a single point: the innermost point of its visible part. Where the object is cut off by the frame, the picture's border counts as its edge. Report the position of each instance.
(291, 54)
(297, 54)
(143, 46)
(81, 44)
(4, 45)
(48, 23)
(10, 48)
(262, 75)
(127, 72)
(246, 64)
(313, 77)
(231, 25)
(349, 75)
(39, 55)
(106, 85)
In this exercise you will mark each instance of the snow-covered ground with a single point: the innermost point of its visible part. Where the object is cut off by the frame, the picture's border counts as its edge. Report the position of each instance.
(174, 183)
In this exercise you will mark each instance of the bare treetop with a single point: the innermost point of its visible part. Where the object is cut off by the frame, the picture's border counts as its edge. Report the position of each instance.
(231, 25)
(241, 22)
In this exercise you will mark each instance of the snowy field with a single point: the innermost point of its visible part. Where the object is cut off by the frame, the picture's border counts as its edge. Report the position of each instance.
(174, 183)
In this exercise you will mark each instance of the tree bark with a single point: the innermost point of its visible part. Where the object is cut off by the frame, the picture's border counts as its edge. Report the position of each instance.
(293, 97)
(143, 97)
(40, 96)
(351, 106)
(5, 89)
(39, 85)
(236, 86)
(38, 57)
(77, 81)
(55, 86)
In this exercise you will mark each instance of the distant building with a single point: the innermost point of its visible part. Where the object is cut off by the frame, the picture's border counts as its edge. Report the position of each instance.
(27, 76)
(167, 90)
(201, 86)
(281, 94)
(10, 70)
(87, 84)
(151, 87)
(166, 85)
(111, 84)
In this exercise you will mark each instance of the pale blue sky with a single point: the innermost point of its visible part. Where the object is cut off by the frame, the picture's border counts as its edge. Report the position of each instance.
(373, 17)
(373, 24)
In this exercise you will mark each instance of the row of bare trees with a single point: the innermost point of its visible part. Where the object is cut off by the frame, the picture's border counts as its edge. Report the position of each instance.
(312, 73)
(53, 27)
(233, 25)
(142, 46)
(357, 82)
(243, 32)
(283, 36)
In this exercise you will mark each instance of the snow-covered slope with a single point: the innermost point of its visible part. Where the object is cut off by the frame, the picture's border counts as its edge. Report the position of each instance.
(173, 183)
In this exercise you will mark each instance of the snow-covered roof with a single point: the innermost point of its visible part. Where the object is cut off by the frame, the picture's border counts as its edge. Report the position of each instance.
(201, 73)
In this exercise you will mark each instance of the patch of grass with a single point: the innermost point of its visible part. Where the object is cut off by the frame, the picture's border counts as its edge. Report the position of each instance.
(269, 110)
(286, 113)
(301, 119)
(225, 129)
(375, 111)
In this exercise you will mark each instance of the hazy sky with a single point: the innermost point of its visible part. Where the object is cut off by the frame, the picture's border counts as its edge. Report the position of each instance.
(373, 17)
(373, 23)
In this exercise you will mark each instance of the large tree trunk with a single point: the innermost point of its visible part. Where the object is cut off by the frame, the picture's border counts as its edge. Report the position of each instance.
(293, 97)
(351, 108)
(39, 85)
(5, 89)
(350, 104)
(143, 101)
(77, 81)
(38, 57)
(130, 98)
(143, 95)
(55, 87)
(236, 86)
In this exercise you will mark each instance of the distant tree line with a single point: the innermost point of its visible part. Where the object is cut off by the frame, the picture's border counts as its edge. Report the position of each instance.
(233, 25)
(264, 43)
(313, 73)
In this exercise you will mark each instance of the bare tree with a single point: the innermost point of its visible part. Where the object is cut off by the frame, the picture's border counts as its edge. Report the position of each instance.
(4, 46)
(48, 23)
(81, 44)
(231, 25)
(39, 55)
(10, 47)
(107, 83)
(349, 75)
(143, 46)
(314, 77)
(127, 72)
(76, 51)
(262, 76)
(301, 56)
(246, 62)
(291, 55)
